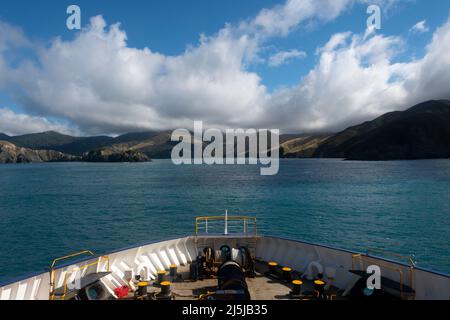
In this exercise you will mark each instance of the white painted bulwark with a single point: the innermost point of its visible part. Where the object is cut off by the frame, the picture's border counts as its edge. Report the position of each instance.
(303, 257)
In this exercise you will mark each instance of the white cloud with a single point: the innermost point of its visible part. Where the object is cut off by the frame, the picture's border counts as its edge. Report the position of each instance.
(12, 123)
(101, 85)
(11, 37)
(282, 19)
(357, 79)
(420, 27)
(352, 82)
(429, 78)
(283, 57)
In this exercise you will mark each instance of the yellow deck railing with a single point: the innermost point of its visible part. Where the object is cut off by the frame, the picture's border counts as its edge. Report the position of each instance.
(366, 260)
(85, 252)
(204, 224)
(70, 272)
(408, 259)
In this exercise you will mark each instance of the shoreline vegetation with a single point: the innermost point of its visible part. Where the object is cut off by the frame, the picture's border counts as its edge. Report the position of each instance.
(421, 132)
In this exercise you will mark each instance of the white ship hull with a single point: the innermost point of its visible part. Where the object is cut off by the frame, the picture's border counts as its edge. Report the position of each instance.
(304, 257)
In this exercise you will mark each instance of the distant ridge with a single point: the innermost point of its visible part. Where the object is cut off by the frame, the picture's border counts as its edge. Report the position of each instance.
(43, 140)
(52, 140)
(152, 144)
(4, 137)
(421, 132)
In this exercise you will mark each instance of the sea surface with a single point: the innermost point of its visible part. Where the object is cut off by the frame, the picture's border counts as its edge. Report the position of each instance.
(49, 210)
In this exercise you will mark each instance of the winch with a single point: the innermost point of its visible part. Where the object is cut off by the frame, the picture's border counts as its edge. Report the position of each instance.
(231, 282)
(230, 266)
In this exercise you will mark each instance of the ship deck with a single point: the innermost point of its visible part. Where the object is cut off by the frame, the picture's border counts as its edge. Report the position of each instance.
(261, 287)
(342, 269)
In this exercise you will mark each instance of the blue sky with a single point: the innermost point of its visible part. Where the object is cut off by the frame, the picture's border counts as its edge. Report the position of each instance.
(169, 27)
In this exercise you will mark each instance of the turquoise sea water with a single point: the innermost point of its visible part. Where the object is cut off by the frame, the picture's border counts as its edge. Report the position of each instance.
(49, 210)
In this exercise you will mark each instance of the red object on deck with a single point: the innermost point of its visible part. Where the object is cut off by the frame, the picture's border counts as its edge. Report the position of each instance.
(122, 292)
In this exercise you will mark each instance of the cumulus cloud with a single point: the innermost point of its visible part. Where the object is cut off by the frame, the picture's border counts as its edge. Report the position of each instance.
(283, 57)
(428, 78)
(420, 27)
(12, 123)
(102, 85)
(352, 81)
(99, 84)
(358, 78)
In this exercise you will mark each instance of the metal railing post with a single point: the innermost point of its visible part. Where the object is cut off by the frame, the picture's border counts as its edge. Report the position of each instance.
(207, 225)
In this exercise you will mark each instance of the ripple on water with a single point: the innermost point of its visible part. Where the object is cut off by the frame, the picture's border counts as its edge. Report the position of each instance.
(48, 210)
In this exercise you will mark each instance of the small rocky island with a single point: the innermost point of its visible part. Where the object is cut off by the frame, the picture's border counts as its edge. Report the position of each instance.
(10, 153)
(108, 155)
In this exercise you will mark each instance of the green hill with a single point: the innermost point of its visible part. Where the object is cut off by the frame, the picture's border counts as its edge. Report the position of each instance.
(421, 132)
